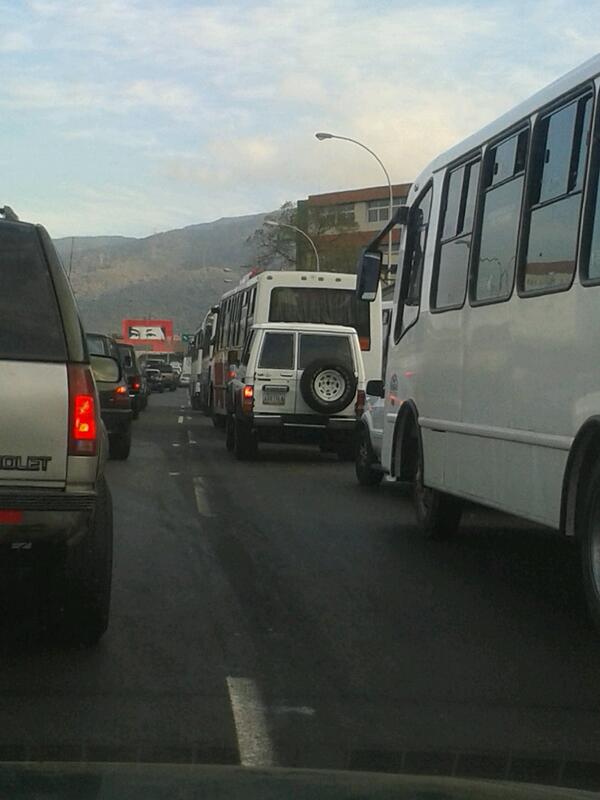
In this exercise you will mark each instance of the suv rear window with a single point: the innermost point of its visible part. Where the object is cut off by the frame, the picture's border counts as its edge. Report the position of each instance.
(277, 351)
(316, 345)
(30, 324)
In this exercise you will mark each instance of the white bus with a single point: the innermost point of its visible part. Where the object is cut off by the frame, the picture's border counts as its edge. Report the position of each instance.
(201, 352)
(317, 297)
(492, 386)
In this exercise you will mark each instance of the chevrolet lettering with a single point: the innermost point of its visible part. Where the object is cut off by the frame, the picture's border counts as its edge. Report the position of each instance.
(27, 464)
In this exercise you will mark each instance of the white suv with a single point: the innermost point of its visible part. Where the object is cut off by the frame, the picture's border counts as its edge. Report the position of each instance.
(296, 383)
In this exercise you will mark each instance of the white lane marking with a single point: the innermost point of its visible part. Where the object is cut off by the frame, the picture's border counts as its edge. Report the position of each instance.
(189, 419)
(175, 444)
(191, 441)
(180, 420)
(253, 738)
(174, 473)
(202, 503)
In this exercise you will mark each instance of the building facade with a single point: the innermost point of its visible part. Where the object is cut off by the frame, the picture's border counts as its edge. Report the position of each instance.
(342, 223)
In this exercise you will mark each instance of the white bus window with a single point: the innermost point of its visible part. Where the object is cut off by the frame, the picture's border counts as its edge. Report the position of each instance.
(495, 268)
(450, 279)
(277, 351)
(561, 149)
(408, 310)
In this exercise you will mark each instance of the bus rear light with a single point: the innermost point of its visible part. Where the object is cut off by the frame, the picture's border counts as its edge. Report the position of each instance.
(82, 411)
(247, 399)
(359, 406)
(364, 342)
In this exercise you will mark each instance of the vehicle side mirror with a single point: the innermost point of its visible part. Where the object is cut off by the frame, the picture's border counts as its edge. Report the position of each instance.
(367, 275)
(106, 369)
(375, 388)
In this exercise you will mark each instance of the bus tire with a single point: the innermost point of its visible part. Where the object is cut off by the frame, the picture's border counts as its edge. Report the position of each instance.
(365, 459)
(589, 545)
(245, 444)
(438, 513)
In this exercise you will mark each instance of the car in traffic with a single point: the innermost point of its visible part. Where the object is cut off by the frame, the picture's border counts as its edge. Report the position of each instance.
(115, 403)
(138, 389)
(54, 497)
(184, 379)
(169, 378)
(153, 379)
(300, 383)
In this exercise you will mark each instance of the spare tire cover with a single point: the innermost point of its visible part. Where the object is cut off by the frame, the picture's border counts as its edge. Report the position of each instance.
(328, 386)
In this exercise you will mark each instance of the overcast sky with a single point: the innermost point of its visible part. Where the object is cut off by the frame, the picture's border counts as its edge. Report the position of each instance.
(128, 117)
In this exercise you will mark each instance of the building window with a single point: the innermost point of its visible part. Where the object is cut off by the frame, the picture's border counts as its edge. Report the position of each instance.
(379, 210)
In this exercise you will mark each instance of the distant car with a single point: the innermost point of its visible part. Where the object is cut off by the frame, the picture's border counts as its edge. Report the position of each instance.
(154, 379)
(184, 379)
(299, 383)
(170, 379)
(135, 380)
(54, 499)
(115, 404)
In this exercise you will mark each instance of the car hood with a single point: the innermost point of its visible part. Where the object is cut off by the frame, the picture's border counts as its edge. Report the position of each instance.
(155, 781)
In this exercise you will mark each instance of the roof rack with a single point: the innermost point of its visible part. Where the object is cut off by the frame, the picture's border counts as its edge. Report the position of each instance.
(8, 214)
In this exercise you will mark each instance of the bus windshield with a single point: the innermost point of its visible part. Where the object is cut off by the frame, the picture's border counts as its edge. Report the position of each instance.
(321, 306)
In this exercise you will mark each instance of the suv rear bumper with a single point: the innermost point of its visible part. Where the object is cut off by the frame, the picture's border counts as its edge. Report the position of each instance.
(47, 516)
(310, 421)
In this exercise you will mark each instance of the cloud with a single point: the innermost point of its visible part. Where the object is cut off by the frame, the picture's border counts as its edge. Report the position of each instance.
(14, 42)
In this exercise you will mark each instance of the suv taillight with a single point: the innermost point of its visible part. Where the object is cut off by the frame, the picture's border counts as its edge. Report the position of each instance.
(83, 426)
(247, 399)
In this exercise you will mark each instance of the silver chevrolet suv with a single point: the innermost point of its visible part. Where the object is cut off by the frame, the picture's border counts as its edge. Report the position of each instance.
(55, 505)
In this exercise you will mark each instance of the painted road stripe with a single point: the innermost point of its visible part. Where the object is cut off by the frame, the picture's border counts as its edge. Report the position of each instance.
(180, 420)
(202, 503)
(253, 738)
(190, 438)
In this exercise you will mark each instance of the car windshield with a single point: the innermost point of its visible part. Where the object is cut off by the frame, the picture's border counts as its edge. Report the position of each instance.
(329, 506)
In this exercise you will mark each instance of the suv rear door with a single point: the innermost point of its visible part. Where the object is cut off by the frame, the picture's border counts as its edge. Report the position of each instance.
(275, 381)
(336, 347)
(34, 396)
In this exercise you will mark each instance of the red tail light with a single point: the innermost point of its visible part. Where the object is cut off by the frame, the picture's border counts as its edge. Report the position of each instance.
(136, 383)
(231, 374)
(82, 411)
(364, 342)
(120, 390)
(247, 399)
(10, 516)
(360, 403)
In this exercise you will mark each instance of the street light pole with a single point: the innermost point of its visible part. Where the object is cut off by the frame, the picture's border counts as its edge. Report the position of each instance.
(321, 136)
(273, 224)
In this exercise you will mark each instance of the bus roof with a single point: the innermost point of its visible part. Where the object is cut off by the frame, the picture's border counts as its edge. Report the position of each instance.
(582, 74)
(295, 278)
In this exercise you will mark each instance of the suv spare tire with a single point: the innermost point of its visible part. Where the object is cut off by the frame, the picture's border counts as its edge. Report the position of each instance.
(327, 386)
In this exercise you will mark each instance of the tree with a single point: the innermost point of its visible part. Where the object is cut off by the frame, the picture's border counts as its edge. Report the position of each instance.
(283, 248)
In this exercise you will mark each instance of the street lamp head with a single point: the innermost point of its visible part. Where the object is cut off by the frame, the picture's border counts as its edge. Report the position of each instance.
(321, 136)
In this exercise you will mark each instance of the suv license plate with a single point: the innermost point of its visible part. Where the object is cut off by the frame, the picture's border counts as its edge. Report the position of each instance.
(274, 396)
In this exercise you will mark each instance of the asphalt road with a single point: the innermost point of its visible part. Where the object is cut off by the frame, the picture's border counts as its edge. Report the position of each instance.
(276, 613)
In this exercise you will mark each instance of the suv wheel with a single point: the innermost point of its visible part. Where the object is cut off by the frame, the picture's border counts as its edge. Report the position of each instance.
(245, 444)
(327, 386)
(119, 445)
(86, 576)
(365, 459)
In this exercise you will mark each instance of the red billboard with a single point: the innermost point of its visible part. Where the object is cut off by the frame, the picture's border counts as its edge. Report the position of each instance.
(153, 334)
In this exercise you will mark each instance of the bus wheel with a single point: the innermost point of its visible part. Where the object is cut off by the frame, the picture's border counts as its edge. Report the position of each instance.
(590, 546)
(438, 513)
